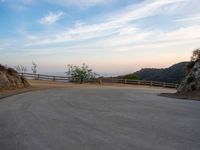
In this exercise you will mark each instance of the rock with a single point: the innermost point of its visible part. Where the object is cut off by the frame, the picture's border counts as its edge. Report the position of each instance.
(9, 78)
(192, 80)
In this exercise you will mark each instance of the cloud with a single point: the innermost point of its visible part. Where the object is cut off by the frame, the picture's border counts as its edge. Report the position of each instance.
(19, 5)
(79, 3)
(145, 9)
(51, 18)
(189, 19)
(113, 24)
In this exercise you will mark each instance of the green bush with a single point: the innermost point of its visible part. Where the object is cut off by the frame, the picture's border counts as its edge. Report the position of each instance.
(80, 73)
(130, 77)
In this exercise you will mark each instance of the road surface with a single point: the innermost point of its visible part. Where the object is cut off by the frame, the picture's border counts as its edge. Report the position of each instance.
(98, 118)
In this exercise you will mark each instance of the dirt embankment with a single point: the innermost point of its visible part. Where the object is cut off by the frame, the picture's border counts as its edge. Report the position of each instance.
(11, 80)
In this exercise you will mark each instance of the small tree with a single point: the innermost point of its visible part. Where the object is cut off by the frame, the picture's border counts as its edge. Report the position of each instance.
(196, 55)
(34, 67)
(21, 68)
(80, 73)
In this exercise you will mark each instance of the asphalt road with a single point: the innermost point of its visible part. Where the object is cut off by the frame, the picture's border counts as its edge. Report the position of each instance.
(98, 119)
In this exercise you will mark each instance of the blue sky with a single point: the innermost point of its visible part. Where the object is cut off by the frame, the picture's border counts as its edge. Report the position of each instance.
(111, 36)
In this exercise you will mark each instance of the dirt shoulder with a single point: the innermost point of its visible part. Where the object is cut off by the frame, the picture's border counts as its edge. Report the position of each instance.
(39, 85)
(187, 96)
(35, 85)
(43, 84)
(6, 93)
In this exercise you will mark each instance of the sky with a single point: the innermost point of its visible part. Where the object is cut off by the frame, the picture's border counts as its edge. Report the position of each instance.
(113, 37)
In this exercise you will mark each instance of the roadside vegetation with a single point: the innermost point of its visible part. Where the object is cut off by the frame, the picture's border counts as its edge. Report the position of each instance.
(131, 77)
(80, 73)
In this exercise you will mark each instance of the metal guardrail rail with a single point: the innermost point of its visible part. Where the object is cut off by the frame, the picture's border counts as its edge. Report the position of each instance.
(112, 80)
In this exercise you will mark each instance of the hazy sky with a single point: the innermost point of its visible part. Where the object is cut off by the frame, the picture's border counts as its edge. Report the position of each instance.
(111, 36)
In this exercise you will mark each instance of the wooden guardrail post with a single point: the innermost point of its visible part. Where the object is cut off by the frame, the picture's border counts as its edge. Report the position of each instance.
(100, 82)
(38, 77)
(34, 76)
(151, 83)
(125, 81)
(164, 85)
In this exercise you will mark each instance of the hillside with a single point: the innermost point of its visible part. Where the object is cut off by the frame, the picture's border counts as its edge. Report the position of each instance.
(173, 74)
(10, 79)
(191, 82)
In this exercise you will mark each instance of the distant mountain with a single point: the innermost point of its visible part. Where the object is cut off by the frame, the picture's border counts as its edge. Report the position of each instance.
(173, 74)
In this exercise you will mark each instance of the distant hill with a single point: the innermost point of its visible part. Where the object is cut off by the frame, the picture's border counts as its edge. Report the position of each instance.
(173, 74)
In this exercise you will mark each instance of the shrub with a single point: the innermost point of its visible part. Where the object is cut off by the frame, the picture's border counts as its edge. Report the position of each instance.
(193, 87)
(196, 55)
(80, 73)
(190, 65)
(190, 79)
(11, 71)
(2, 68)
(130, 77)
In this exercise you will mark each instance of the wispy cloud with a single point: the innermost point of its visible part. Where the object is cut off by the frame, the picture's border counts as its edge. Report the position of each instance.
(117, 23)
(190, 19)
(79, 3)
(51, 18)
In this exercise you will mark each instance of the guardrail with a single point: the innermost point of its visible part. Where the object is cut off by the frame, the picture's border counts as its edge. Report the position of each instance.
(137, 82)
(44, 77)
(146, 83)
(101, 81)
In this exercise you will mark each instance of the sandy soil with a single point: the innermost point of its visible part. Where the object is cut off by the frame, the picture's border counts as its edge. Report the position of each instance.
(44, 84)
(48, 84)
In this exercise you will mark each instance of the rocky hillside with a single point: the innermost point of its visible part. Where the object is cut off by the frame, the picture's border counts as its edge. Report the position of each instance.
(191, 83)
(10, 79)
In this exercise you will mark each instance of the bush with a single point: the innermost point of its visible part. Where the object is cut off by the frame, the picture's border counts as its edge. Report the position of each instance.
(130, 77)
(190, 79)
(2, 68)
(190, 65)
(11, 71)
(193, 87)
(80, 73)
(196, 55)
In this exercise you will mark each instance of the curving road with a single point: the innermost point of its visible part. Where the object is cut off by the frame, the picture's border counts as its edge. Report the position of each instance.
(98, 118)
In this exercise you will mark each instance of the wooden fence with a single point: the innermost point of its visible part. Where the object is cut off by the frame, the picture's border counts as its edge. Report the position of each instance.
(45, 77)
(146, 83)
(100, 81)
